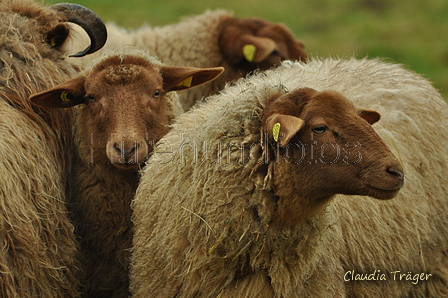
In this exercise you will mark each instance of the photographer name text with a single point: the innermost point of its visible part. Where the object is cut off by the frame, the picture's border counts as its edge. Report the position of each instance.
(377, 275)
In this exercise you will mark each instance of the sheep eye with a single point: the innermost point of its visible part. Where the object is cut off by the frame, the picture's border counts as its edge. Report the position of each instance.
(91, 97)
(274, 53)
(319, 129)
(156, 94)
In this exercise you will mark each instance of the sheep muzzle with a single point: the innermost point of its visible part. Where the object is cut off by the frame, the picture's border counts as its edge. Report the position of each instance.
(126, 153)
(386, 183)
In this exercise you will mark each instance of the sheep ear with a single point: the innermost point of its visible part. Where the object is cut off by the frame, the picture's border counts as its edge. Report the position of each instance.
(257, 49)
(65, 95)
(283, 127)
(251, 43)
(180, 78)
(370, 116)
(57, 36)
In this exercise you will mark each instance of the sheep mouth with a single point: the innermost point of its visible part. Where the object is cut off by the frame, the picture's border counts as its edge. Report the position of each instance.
(127, 167)
(383, 193)
(393, 188)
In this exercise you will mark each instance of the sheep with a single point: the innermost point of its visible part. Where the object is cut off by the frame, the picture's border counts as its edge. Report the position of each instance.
(214, 38)
(38, 247)
(265, 190)
(125, 108)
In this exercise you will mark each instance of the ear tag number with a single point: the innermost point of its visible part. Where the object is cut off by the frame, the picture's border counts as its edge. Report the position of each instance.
(276, 131)
(66, 96)
(186, 82)
(249, 52)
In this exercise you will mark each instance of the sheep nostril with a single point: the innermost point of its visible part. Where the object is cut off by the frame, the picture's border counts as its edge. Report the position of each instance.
(118, 146)
(395, 172)
(125, 152)
(129, 152)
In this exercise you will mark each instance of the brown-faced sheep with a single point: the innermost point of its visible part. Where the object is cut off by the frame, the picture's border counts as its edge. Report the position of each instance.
(215, 38)
(38, 248)
(256, 192)
(126, 107)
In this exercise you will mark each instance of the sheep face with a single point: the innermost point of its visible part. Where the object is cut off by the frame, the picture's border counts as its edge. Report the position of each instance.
(250, 44)
(124, 107)
(125, 113)
(329, 147)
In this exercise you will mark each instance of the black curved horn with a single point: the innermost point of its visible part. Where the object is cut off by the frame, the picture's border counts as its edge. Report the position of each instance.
(89, 21)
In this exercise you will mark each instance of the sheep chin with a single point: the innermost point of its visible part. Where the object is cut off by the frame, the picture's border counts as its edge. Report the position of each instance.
(126, 167)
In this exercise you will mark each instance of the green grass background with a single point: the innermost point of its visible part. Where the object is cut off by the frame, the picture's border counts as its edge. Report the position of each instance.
(410, 32)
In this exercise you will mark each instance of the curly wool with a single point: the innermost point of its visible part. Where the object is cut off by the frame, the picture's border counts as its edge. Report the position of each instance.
(196, 232)
(37, 256)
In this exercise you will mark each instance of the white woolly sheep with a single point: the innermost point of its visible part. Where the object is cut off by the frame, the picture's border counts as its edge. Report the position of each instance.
(126, 107)
(215, 38)
(223, 210)
(38, 247)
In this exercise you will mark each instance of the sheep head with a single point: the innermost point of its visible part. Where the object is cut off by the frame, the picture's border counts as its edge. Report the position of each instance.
(328, 147)
(86, 19)
(252, 43)
(123, 110)
(51, 23)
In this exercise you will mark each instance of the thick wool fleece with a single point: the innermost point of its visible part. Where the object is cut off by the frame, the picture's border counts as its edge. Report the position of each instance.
(196, 231)
(38, 249)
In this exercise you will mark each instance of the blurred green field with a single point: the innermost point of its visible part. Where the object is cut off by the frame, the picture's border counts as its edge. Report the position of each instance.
(412, 32)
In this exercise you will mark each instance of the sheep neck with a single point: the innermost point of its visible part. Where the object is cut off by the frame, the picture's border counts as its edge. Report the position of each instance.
(293, 213)
(103, 170)
(282, 240)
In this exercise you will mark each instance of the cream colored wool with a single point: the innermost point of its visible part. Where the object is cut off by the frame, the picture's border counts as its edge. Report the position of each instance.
(195, 233)
(37, 255)
(171, 45)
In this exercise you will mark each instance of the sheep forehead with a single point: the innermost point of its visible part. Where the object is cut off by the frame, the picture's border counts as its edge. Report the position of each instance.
(128, 73)
(117, 73)
(332, 104)
(124, 66)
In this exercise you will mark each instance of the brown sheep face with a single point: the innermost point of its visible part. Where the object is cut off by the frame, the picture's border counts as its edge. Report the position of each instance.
(125, 113)
(124, 108)
(328, 147)
(252, 43)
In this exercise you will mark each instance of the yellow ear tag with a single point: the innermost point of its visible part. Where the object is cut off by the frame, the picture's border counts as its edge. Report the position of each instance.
(66, 96)
(276, 131)
(249, 52)
(186, 82)
(53, 42)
